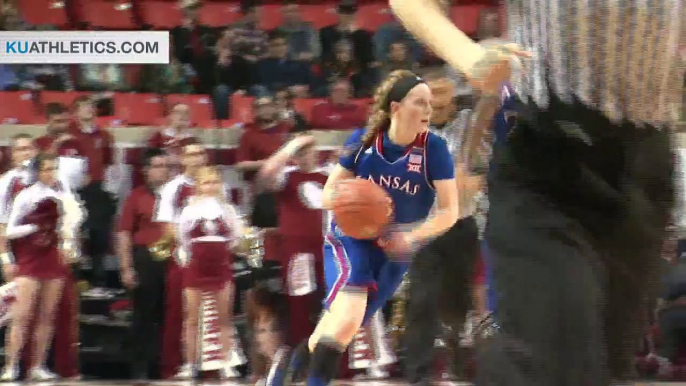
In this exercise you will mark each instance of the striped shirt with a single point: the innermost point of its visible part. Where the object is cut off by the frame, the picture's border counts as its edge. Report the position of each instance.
(620, 57)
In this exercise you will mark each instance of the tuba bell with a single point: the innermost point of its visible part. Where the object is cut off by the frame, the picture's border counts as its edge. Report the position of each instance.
(162, 249)
(251, 246)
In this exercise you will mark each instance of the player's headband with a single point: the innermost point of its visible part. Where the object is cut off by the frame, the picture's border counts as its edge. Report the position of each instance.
(400, 90)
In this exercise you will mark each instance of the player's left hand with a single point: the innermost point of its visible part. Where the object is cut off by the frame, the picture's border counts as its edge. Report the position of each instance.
(398, 245)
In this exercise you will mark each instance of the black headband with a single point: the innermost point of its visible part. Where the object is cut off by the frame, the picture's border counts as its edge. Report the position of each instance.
(400, 90)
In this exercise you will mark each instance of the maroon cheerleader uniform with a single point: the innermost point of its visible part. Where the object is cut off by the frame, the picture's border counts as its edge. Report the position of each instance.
(33, 227)
(207, 230)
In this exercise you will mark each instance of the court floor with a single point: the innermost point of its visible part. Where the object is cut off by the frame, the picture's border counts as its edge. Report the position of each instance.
(237, 383)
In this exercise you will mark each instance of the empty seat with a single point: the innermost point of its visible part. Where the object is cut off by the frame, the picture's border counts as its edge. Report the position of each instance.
(37, 12)
(220, 14)
(202, 113)
(241, 108)
(160, 13)
(138, 109)
(271, 16)
(320, 15)
(466, 17)
(66, 98)
(371, 16)
(108, 14)
(19, 107)
(304, 106)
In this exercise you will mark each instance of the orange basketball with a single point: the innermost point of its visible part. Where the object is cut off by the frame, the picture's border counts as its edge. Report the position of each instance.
(362, 209)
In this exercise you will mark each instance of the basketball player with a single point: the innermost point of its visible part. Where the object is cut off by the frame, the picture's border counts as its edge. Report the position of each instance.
(361, 275)
(582, 189)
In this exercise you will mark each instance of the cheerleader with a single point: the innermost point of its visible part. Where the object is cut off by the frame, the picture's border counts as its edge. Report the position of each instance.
(42, 246)
(208, 230)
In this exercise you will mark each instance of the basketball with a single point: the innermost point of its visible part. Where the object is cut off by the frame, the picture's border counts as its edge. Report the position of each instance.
(362, 209)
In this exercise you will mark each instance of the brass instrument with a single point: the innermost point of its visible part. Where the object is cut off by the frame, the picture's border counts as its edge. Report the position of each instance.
(398, 320)
(251, 246)
(161, 250)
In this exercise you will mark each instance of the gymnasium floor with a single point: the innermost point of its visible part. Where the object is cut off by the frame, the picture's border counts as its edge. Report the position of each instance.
(232, 383)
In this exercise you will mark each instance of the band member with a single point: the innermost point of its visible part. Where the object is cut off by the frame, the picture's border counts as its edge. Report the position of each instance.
(173, 138)
(301, 227)
(141, 272)
(43, 250)
(72, 153)
(171, 201)
(209, 228)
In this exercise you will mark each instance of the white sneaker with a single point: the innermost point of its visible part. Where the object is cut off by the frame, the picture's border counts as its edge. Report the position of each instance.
(185, 372)
(10, 374)
(41, 374)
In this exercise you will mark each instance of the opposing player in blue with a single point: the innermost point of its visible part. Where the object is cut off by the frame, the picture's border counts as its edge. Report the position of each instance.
(398, 153)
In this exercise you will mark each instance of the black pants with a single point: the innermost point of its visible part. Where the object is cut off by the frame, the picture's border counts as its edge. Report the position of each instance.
(148, 311)
(576, 220)
(101, 209)
(672, 323)
(440, 279)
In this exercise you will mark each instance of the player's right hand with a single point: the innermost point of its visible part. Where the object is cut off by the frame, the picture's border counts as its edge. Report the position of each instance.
(494, 67)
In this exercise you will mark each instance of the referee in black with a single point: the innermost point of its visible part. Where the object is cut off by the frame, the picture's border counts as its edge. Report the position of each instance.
(582, 189)
(441, 274)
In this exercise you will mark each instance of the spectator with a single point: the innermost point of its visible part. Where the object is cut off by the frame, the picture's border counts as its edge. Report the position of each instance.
(9, 81)
(391, 32)
(102, 77)
(169, 78)
(73, 155)
(247, 39)
(344, 65)
(266, 311)
(277, 70)
(398, 59)
(193, 45)
(174, 137)
(338, 112)
(284, 103)
(346, 29)
(488, 25)
(232, 74)
(51, 77)
(303, 41)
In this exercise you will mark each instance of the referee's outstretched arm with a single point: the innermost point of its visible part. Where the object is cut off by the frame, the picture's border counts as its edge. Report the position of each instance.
(486, 69)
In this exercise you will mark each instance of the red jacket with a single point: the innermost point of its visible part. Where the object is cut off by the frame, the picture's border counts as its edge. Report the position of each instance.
(328, 116)
(99, 145)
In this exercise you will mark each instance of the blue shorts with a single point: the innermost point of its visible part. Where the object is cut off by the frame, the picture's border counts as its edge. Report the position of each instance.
(350, 262)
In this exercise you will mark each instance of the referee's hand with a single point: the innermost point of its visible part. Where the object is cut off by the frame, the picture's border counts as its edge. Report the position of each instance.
(495, 66)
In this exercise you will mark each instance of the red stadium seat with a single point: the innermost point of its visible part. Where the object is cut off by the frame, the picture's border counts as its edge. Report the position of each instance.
(220, 14)
(466, 17)
(371, 16)
(66, 98)
(38, 12)
(229, 123)
(19, 107)
(160, 13)
(304, 106)
(138, 109)
(200, 105)
(271, 16)
(320, 15)
(108, 14)
(241, 108)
